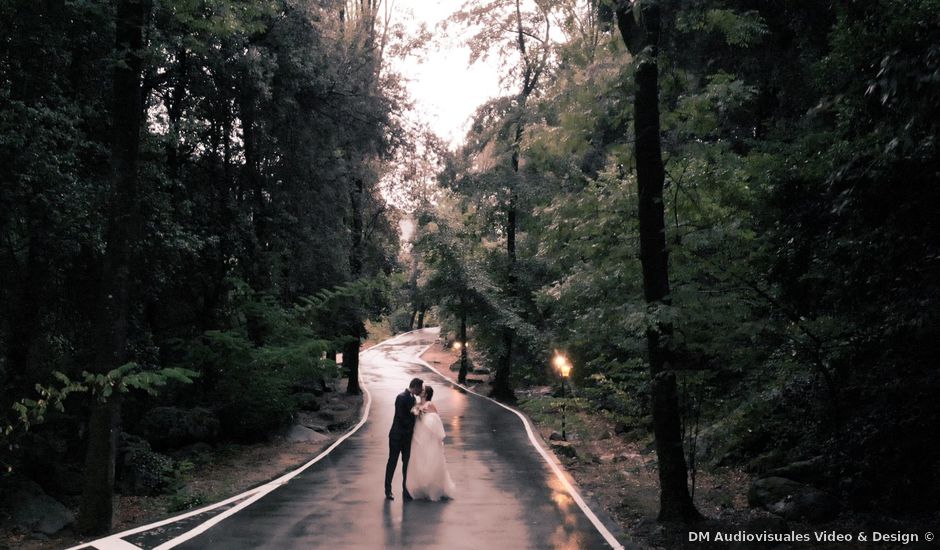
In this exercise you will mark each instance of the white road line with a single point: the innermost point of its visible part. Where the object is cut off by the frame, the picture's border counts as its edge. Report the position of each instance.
(114, 543)
(273, 484)
(249, 496)
(205, 526)
(167, 521)
(598, 524)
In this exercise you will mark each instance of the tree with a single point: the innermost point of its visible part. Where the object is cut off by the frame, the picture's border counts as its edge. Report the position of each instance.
(640, 28)
(448, 284)
(525, 37)
(175, 181)
(365, 39)
(794, 304)
(117, 269)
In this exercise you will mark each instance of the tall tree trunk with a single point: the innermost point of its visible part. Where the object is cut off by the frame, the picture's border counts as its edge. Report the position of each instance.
(421, 309)
(502, 387)
(351, 364)
(114, 296)
(414, 315)
(356, 196)
(464, 366)
(252, 191)
(413, 286)
(675, 502)
(532, 65)
(227, 186)
(175, 109)
(27, 306)
(351, 350)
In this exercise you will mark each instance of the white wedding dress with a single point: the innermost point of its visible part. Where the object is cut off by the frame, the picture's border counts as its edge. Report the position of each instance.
(427, 469)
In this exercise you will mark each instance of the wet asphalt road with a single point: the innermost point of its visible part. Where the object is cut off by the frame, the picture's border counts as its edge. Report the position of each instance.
(507, 497)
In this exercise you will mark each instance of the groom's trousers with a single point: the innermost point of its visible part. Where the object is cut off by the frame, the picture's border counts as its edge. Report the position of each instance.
(397, 445)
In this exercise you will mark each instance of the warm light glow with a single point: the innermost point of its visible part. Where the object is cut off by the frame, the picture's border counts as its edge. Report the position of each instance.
(561, 363)
(456, 345)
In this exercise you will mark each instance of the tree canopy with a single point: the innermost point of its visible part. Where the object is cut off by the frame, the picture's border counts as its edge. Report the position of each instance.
(799, 201)
(203, 167)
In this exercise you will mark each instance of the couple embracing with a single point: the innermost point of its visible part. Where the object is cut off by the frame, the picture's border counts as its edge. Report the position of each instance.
(417, 435)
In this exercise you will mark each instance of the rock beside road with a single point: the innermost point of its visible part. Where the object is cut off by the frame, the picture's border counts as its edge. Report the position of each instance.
(563, 448)
(307, 401)
(298, 434)
(804, 471)
(312, 421)
(792, 500)
(31, 510)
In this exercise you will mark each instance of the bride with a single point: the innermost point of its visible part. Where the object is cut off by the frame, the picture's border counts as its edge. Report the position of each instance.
(427, 469)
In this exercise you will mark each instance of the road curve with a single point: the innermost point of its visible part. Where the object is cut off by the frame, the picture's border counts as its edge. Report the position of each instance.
(508, 495)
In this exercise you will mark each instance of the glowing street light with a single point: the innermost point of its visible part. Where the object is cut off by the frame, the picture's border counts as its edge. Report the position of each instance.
(457, 346)
(564, 368)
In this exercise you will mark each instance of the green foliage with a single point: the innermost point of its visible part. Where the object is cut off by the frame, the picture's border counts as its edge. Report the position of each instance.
(800, 204)
(185, 500)
(467, 277)
(260, 155)
(369, 295)
(129, 376)
(400, 320)
(102, 387)
(257, 386)
(741, 29)
(153, 473)
(252, 403)
(621, 389)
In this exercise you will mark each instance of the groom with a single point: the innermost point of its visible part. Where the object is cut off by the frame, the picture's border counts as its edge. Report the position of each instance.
(399, 437)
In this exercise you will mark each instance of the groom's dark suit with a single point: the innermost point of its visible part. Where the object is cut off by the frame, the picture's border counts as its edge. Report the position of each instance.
(399, 439)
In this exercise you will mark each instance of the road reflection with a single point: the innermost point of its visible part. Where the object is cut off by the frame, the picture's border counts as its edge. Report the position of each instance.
(413, 524)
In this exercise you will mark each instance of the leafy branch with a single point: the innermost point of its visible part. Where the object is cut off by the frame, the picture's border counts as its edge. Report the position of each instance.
(101, 387)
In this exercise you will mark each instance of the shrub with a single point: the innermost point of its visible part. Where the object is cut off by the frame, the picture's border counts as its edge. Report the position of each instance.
(400, 321)
(254, 403)
(172, 427)
(140, 471)
(185, 500)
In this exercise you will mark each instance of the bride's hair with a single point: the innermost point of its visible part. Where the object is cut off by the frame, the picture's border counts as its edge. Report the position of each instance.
(430, 392)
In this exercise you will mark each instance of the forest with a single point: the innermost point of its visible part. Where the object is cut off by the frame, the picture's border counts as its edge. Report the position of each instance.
(190, 210)
(729, 200)
(726, 213)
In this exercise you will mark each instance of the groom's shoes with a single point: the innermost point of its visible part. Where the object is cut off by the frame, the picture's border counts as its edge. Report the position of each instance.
(408, 496)
(389, 496)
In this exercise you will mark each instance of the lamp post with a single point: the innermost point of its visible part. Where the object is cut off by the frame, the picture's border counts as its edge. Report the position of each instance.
(564, 367)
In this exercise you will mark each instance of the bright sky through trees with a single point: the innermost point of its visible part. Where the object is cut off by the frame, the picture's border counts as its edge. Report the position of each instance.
(445, 89)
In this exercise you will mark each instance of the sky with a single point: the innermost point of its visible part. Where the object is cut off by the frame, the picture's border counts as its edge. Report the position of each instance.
(445, 89)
